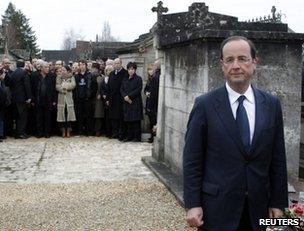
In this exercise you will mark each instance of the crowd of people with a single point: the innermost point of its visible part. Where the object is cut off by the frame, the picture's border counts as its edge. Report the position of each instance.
(90, 98)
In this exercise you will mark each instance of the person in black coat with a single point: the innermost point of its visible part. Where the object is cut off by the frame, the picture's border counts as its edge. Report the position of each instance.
(19, 84)
(9, 106)
(82, 97)
(104, 92)
(2, 106)
(44, 100)
(116, 100)
(133, 107)
(151, 92)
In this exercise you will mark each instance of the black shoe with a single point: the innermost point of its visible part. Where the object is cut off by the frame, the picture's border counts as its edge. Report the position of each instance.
(21, 137)
(2, 137)
(136, 140)
(121, 138)
(115, 136)
(47, 136)
(126, 140)
(1, 140)
(150, 140)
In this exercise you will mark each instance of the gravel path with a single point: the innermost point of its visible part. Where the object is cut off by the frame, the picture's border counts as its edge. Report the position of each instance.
(117, 205)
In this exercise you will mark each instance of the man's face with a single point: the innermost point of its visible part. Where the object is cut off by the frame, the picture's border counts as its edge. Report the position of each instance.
(117, 64)
(58, 65)
(45, 69)
(131, 71)
(82, 67)
(75, 67)
(237, 64)
(6, 64)
(89, 66)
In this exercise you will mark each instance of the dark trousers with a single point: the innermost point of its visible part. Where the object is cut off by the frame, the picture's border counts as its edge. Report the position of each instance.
(153, 120)
(31, 123)
(245, 218)
(85, 116)
(133, 130)
(81, 115)
(21, 118)
(118, 129)
(107, 124)
(1, 125)
(9, 116)
(44, 120)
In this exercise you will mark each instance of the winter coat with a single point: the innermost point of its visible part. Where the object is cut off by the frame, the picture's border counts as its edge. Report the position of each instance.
(132, 87)
(114, 95)
(65, 87)
(99, 106)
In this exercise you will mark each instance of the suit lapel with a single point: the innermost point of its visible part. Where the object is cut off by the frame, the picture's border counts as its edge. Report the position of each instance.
(261, 114)
(223, 108)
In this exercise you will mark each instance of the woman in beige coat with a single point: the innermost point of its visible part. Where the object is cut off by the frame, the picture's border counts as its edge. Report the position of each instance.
(65, 83)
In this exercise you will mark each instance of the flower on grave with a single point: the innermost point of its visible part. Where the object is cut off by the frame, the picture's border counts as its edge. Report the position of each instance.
(296, 210)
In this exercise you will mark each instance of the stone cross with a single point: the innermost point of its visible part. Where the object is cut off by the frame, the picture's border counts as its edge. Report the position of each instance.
(273, 11)
(159, 9)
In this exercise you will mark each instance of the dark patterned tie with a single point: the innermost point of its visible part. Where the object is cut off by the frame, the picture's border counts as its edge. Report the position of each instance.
(243, 123)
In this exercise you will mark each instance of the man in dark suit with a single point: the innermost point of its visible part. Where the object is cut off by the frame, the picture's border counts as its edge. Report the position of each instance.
(19, 84)
(44, 96)
(234, 156)
(116, 100)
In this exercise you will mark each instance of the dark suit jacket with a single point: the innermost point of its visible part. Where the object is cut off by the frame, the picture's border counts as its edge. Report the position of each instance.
(50, 96)
(114, 94)
(218, 172)
(132, 87)
(19, 84)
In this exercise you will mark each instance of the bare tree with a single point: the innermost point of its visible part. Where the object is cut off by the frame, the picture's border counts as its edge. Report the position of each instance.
(70, 38)
(106, 35)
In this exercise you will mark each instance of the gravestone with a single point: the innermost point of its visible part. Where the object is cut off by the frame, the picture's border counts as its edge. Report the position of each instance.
(189, 45)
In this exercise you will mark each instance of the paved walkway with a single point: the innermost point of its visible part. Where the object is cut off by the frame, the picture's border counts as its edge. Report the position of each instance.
(78, 159)
(82, 183)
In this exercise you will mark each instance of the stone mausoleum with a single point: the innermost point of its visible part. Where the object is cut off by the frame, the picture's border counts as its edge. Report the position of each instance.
(188, 44)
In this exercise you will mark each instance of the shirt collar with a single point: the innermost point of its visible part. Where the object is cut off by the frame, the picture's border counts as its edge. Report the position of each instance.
(233, 95)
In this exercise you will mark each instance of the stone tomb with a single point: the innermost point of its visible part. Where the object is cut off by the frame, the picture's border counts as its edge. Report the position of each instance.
(189, 45)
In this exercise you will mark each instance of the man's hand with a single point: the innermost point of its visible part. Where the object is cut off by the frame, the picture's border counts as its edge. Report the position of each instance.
(275, 213)
(28, 101)
(126, 98)
(195, 217)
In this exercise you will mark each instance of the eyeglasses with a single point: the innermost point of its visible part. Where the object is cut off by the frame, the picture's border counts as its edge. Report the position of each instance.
(240, 60)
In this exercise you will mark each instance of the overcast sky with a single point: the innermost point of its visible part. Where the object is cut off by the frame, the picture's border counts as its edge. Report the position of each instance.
(128, 19)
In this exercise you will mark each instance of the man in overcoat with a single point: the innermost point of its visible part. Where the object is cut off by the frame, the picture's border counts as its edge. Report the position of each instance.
(116, 100)
(131, 88)
(19, 84)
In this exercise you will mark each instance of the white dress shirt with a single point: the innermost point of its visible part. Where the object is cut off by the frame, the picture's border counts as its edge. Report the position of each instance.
(249, 104)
